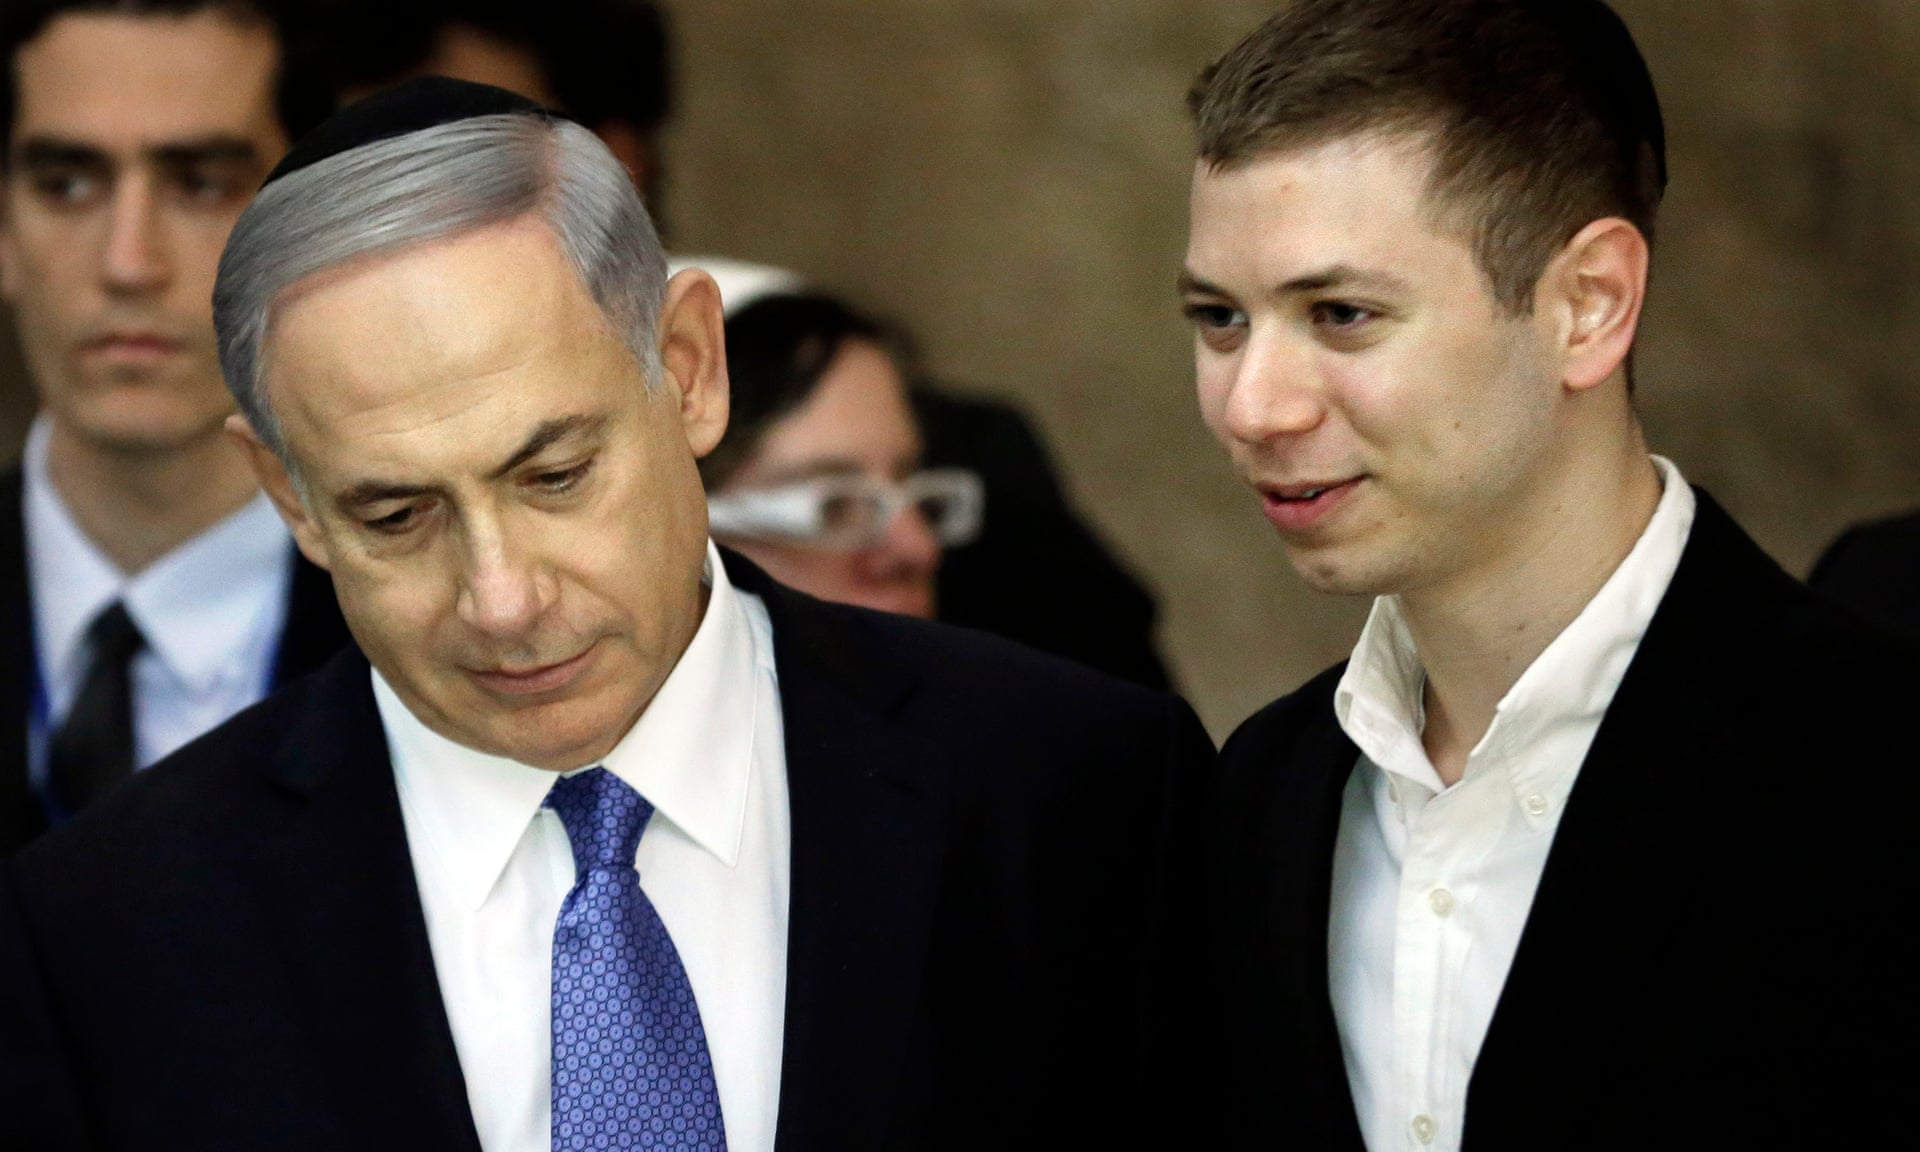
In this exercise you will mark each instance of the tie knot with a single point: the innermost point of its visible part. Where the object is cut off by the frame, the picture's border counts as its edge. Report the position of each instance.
(604, 817)
(113, 635)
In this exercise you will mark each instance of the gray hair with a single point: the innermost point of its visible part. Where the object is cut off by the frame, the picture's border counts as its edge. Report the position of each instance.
(431, 185)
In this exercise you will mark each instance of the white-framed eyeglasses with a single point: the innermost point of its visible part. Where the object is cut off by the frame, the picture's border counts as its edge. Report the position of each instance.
(852, 512)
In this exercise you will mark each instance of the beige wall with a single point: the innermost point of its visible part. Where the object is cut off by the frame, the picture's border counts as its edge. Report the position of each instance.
(1008, 177)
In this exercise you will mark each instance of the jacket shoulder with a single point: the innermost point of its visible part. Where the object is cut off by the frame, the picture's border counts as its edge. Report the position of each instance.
(1282, 727)
(975, 712)
(205, 794)
(1892, 538)
(1874, 569)
(960, 670)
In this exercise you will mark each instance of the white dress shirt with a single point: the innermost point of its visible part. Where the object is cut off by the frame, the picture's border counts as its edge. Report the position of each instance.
(212, 612)
(493, 867)
(1431, 884)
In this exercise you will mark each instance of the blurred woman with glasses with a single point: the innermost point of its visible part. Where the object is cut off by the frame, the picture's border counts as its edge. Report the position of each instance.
(818, 480)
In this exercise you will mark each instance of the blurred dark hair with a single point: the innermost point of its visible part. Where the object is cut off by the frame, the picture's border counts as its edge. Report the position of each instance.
(303, 92)
(1541, 114)
(778, 348)
(603, 59)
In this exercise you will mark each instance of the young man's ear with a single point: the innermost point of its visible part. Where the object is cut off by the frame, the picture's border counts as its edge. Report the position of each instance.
(693, 354)
(1599, 285)
(279, 486)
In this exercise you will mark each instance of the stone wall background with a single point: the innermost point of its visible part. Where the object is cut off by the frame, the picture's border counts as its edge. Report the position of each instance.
(1008, 178)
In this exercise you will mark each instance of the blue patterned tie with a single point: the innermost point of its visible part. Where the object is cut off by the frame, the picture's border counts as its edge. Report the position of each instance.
(630, 1062)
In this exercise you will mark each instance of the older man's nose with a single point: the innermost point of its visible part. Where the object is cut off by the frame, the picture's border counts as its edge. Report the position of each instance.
(504, 592)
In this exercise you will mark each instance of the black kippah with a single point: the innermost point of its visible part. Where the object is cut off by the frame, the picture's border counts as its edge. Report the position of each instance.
(426, 102)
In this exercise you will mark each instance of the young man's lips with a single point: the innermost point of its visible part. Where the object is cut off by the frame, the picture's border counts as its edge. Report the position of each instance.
(1296, 507)
(132, 346)
(532, 681)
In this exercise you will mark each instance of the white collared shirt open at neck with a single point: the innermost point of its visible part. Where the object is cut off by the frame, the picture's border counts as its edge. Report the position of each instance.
(493, 867)
(1431, 884)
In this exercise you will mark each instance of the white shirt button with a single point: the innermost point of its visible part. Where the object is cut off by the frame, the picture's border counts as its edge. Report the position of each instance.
(1536, 805)
(1424, 1128)
(1441, 901)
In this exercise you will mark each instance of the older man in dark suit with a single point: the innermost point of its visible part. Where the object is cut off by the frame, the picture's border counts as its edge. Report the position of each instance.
(1595, 842)
(608, 840)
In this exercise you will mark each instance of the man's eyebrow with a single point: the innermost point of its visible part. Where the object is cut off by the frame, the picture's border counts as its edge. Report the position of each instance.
(209, 150)
(1332, 277)
(49, 152)
(55, 151)
(1344, 276)
(546, 436)
(375, 491)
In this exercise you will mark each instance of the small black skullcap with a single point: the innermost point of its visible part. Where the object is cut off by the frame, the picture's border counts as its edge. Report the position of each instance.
(418, 104)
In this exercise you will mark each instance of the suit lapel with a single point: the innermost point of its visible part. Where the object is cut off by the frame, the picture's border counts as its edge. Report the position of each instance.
(20, 818)
(1620, 875)
(867, 845)
(352, 929)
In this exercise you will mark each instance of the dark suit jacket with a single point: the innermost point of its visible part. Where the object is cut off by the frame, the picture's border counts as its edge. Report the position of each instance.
(314, 631)
(1037, 574)
(1716, 956)
(1875, 570)
(231, 949)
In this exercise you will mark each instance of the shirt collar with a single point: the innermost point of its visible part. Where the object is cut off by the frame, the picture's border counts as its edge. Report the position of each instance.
(1379, 701)
(199, 607)
(690, 754)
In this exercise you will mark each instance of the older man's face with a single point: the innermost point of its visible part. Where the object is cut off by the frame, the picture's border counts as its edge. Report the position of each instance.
(513, 521)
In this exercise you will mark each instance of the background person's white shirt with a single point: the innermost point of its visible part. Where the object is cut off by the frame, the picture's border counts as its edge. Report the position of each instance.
(493, 867)
(1432, 885)
(212, 612)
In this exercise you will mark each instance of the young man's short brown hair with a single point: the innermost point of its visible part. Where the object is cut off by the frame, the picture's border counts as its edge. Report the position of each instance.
(1540, 114)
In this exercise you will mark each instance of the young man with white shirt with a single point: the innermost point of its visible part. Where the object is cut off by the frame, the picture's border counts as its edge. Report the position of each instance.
(148, 589)
(607, 840)
(1570, 853)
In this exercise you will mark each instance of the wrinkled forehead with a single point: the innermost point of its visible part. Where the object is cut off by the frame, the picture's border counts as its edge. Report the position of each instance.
(449, 345)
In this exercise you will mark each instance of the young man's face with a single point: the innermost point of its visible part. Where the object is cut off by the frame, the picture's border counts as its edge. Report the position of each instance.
(1393, 419)
(136, 142)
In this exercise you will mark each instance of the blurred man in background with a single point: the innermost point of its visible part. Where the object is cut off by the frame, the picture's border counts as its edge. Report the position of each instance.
(148, 589)
(1582, 848)
(606, 63)
(1036, 572)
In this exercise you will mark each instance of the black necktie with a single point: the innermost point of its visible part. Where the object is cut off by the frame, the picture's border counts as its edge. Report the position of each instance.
(94, 748)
